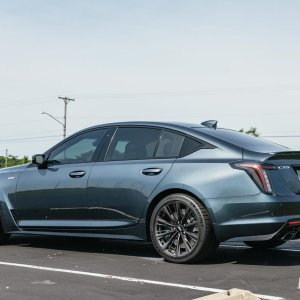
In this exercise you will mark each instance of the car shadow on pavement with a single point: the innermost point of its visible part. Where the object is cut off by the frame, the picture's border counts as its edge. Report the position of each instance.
(286, 255)
(88, 245)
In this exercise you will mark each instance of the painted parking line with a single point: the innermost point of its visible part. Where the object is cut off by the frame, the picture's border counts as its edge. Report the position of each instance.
(130, 279)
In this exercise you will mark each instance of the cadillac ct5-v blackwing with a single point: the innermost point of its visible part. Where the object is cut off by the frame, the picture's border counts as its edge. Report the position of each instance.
(185, 187)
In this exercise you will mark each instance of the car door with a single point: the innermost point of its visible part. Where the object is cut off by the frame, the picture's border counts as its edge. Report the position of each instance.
(120, 186)
(56, 195)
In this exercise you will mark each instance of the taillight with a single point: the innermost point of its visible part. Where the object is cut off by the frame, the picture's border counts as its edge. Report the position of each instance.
(258, 172)
(294, 222)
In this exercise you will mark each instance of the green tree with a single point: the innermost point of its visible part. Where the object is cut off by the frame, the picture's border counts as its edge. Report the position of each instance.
(13, 160)
(2, 161)
(252, 131)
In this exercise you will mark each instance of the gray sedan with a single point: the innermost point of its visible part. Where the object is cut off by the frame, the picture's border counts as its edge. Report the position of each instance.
(185, 187)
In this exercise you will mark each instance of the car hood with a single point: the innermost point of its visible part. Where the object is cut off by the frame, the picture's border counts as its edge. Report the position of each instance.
(13, 169)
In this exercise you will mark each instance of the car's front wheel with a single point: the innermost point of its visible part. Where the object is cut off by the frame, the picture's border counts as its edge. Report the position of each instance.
(4, 237)
(181, 229)
(264, 244)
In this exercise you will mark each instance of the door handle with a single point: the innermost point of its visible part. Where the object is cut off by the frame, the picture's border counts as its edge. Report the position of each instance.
(151, 171)
(77, 174)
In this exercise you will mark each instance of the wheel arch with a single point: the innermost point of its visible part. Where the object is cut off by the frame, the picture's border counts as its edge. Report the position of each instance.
(7, 221)
(166, 193)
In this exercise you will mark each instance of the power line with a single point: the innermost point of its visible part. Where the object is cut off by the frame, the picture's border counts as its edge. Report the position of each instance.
(35, 133)
(192, 92)
(35, 141)
(24, 103)
(18, 122)
(30, 138)
(160, 93)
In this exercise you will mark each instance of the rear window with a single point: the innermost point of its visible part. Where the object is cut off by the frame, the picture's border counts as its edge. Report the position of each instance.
(243, 140)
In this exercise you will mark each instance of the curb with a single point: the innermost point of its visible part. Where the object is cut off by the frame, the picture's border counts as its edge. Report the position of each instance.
(233, 294)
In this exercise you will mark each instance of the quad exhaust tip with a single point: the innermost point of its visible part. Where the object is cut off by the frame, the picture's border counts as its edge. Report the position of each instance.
(292, 231)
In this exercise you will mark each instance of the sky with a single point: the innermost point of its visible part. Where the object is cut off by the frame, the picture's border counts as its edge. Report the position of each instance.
(164, 60)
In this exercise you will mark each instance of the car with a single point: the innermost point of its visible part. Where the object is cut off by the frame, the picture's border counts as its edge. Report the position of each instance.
(184, 187)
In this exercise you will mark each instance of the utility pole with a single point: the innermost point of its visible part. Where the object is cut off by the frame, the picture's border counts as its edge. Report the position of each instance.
(6, 158)
(64, 124)
(66, 102)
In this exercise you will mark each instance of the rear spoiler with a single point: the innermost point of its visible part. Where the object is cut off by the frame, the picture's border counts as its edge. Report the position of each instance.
(286, 155)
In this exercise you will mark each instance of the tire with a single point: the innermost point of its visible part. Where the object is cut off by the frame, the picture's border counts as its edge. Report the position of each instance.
(264, 244)
(4, 237)
(181, 230)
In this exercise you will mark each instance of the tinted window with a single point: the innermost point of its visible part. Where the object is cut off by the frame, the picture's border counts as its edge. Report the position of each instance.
(243, 140)
(133, 144)
(169, 145)
(190, 145)
(79, 149)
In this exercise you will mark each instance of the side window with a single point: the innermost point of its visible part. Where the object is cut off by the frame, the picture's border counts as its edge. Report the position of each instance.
(133, 144)
(79, 149)
(169, 145)
(190, 145)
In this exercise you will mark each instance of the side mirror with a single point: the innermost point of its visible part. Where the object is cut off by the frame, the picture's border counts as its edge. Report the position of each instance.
(39, 159)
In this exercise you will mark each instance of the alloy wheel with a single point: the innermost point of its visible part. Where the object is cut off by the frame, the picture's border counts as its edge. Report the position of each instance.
(178, 228)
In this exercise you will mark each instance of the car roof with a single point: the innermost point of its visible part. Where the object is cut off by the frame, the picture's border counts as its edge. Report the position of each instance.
(188, 127)
(218, 136)
(154, 123)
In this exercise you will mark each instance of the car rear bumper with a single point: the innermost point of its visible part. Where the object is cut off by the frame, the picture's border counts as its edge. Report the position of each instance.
(287, 232)
(256, 218)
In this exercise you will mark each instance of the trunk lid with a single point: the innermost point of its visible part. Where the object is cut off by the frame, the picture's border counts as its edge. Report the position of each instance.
(287, 174)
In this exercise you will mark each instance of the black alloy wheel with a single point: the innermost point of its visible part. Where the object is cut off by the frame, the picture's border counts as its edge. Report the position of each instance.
(181, 229)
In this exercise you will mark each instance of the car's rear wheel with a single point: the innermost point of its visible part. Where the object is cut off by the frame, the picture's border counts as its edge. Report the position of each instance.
(264, 244)
(181, 229)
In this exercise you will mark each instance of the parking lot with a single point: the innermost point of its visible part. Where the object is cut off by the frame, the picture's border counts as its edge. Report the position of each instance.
(59, 268)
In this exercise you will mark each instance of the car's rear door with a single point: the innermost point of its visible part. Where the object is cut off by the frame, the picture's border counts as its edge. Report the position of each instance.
(137, 160)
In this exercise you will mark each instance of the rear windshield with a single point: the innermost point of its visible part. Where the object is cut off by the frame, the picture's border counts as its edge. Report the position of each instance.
(243, 140)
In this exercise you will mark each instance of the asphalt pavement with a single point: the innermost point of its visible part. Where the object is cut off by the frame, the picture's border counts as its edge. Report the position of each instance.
(67, 268)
